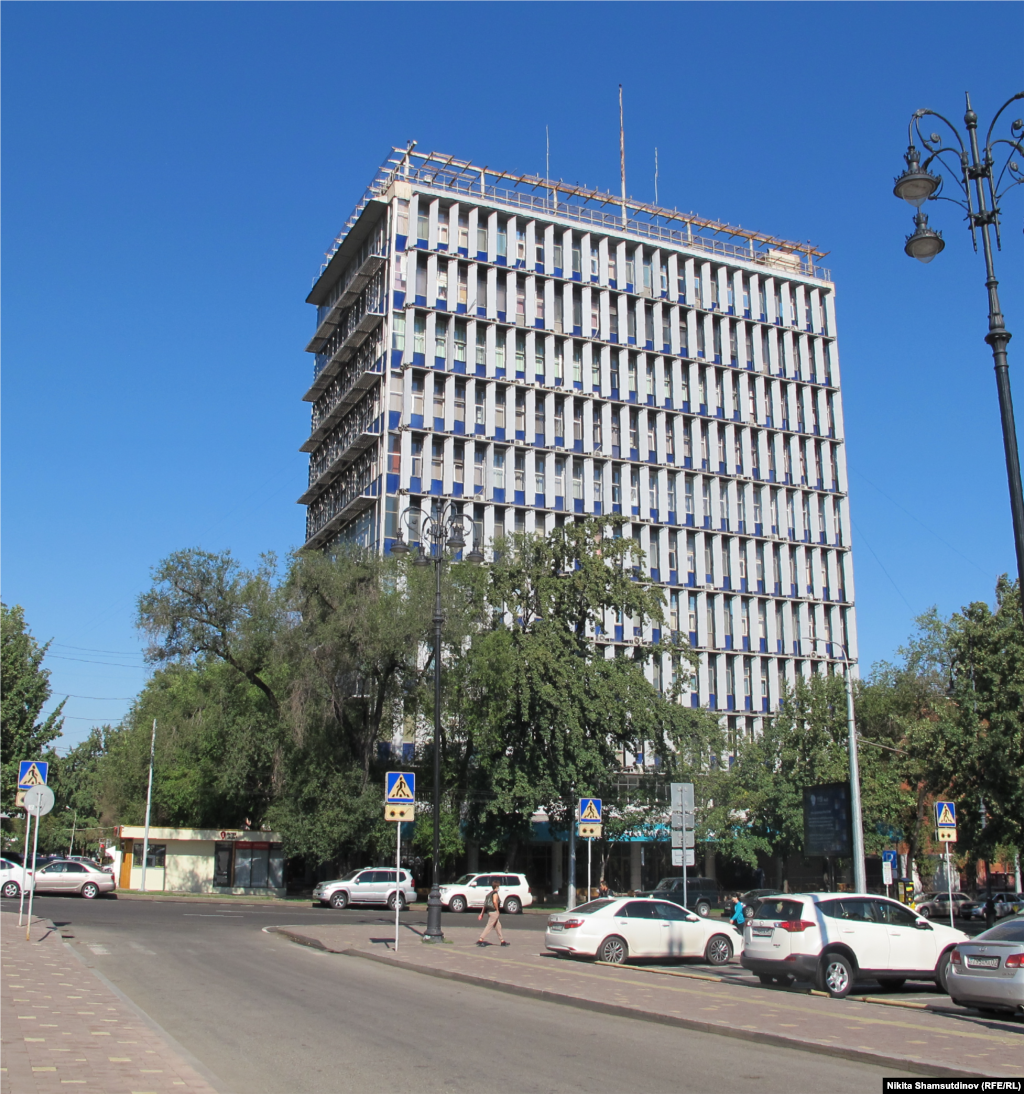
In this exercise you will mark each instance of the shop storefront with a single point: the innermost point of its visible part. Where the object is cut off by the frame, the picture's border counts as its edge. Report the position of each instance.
(202, 860)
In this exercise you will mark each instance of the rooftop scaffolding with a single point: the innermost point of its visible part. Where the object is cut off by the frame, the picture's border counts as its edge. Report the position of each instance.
(556, 198)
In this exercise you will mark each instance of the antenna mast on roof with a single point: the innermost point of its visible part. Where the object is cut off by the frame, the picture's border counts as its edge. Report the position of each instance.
(622, 157)
(655, 174)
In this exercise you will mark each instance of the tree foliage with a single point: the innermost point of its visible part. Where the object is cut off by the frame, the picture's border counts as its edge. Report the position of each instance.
(24, 691)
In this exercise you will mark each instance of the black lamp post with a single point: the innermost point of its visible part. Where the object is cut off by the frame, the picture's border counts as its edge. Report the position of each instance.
(982, 184)
(442, 529)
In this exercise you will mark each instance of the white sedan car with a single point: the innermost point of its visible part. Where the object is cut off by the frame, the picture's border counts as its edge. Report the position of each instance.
(615, 930)
(13, 878)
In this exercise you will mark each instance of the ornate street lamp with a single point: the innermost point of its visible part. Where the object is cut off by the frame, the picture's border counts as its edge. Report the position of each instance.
(443, 529)
(982, 186)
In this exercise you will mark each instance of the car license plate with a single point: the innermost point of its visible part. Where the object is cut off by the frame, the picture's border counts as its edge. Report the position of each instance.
(554, 926)
(763, 932)
(982, 962)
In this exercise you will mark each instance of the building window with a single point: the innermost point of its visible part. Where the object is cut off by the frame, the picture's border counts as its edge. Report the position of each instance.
(479, 406)
(538, 474)
(520, 470)
(459, 462)
(479, 465)
(419, 334)
(460, 341)
(499, 469)
(398, 331)
(437, 459)
(417, 457)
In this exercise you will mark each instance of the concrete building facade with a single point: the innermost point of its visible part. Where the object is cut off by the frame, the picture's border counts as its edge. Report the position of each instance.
(534, 352)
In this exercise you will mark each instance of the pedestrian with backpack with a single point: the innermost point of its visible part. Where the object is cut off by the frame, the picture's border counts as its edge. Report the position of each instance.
(492, 907)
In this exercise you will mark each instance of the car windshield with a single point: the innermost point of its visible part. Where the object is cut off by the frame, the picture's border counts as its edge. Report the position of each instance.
(667, 883)
(465, 879)
(591, 906)
(1003, 932)
(350, 875)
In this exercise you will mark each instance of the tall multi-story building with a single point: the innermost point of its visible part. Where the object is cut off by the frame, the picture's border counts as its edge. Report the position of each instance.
(532, 352)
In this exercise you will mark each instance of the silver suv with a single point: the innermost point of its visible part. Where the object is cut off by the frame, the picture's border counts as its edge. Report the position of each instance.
(367, 886)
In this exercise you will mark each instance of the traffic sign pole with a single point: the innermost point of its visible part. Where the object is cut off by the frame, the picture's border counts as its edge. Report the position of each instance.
(24, 864)
(32, 891)
(398, 878)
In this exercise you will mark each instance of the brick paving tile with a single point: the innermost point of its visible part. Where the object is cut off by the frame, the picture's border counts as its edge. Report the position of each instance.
(943, 1041)
(63, 1029)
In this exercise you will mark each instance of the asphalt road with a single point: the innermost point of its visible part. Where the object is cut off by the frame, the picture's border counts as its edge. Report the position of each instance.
(266, 1016)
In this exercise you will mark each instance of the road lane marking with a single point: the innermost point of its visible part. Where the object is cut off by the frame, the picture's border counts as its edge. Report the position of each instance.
(215, 915)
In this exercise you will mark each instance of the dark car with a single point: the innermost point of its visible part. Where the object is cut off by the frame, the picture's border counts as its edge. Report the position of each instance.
(753, 897)
(702, 893)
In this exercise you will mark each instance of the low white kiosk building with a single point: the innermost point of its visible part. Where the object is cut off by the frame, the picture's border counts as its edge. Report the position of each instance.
(203, 860)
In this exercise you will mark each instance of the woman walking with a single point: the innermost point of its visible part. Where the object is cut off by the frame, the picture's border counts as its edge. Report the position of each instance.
(492, 906)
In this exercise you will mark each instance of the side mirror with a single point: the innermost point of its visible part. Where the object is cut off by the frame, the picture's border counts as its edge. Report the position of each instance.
(692, 918)
(923, 925)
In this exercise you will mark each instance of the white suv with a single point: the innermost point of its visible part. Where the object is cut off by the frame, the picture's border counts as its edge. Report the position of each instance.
(836, 939)
(374, 886)
(469, 892)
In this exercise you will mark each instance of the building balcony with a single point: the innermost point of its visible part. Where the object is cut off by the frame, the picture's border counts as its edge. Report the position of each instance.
(361, 380)
(356, 337)
(320, 480)
(357, 281)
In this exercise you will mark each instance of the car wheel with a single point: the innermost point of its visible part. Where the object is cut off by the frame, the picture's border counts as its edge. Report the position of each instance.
(703, 907)
(891, 985)
(925, 913)
(457, 904)
(836, 975)
(942, 973)
(339, 900)
(398, 898)
(718, 951)
(613, 950)
(513, 905)
(90, 890)
(11, 889)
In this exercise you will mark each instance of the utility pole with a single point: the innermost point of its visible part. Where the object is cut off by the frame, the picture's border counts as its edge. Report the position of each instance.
(149, 806)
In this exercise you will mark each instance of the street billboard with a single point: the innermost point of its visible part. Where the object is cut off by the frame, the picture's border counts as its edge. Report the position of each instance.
(827, 828)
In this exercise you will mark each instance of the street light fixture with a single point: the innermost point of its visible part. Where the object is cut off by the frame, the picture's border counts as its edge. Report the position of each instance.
(982, 186)
(442, 528)
(860, 879)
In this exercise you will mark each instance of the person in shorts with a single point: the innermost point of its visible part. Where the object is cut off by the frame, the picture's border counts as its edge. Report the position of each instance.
(492, 909)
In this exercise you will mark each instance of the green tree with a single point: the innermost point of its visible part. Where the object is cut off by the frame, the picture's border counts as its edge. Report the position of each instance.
(982, 759)
(544, 714)
(24, 691)
(806, 744)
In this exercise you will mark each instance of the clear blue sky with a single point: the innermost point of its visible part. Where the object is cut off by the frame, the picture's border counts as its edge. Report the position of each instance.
(174, 172)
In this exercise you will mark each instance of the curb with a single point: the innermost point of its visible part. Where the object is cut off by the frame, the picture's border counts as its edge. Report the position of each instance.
(903, 1063)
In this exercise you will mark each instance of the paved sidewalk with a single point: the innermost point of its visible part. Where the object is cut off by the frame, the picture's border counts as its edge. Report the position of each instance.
(913, 1040)
(64, 1029)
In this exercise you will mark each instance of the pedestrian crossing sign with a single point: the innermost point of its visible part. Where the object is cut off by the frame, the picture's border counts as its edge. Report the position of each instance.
(400, 788)
(945, 814)
(590, 810)
(32, 773)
